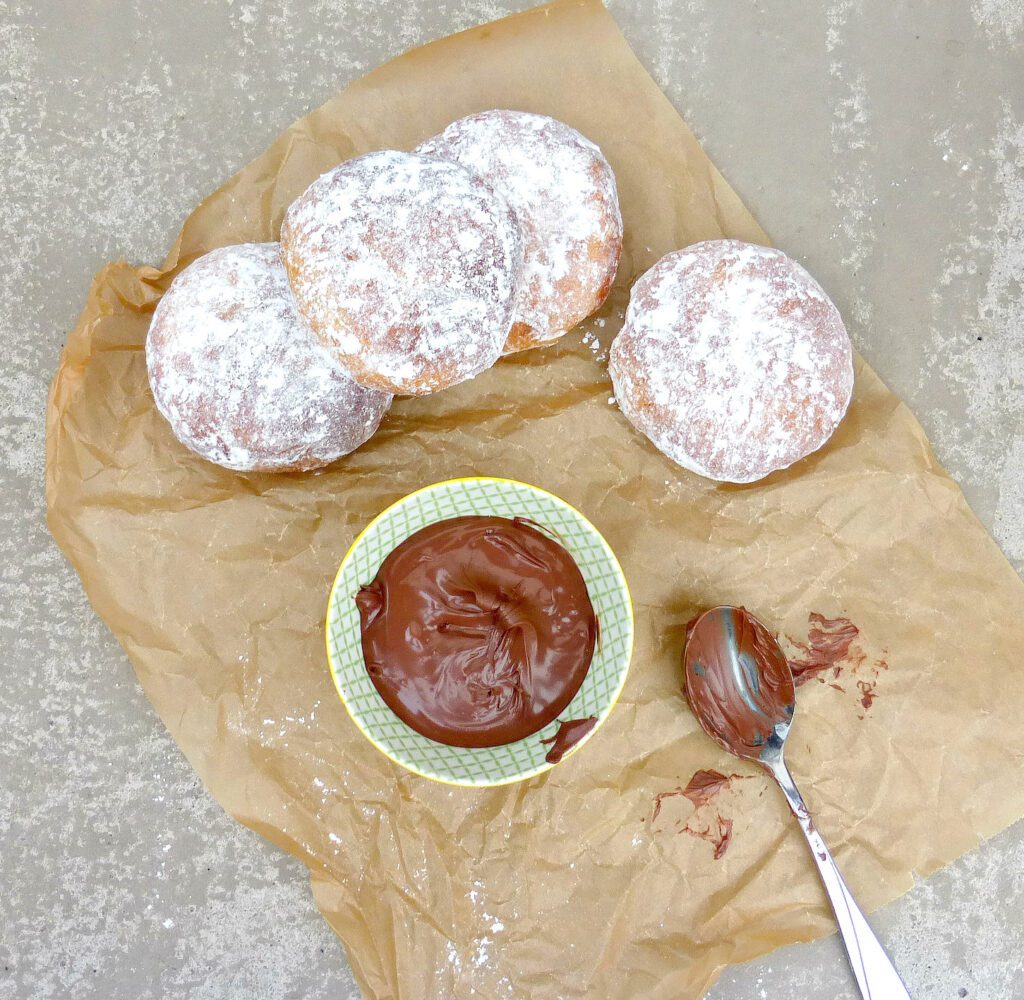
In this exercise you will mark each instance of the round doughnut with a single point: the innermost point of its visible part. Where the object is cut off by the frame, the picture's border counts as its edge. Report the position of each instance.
(732, 360)
(407, 269)
(239, 375)
(563, 193)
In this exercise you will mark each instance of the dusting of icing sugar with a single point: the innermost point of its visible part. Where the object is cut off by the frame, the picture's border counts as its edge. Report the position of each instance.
(732, 360)
(239, 375)
(563, 194)
(407, 268)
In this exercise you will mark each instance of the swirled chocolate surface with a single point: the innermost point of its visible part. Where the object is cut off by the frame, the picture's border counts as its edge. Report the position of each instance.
(477, 631)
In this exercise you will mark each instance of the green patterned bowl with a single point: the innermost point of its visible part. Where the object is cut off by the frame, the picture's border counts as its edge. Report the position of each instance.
(457, 498)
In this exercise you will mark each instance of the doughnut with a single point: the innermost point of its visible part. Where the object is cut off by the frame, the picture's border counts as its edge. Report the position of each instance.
(732, 360)
(563, 193)
(239, 375)
(406, 267)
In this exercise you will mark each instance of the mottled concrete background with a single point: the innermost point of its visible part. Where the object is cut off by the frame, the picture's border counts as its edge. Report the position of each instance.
(881, 142)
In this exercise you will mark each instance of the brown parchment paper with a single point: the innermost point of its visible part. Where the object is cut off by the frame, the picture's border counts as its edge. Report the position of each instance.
(564, 886)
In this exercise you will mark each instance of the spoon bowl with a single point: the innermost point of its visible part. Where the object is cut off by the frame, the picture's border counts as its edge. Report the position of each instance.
(739, 683)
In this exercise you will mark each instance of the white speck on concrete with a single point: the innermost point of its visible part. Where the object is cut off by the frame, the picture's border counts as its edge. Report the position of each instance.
(1009, 526)
(1003, 20)
(983, 361)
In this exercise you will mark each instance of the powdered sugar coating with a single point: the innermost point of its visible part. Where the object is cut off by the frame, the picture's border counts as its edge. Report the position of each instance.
(732, 360)
(406, 267)
(563, 193)
(239, 375)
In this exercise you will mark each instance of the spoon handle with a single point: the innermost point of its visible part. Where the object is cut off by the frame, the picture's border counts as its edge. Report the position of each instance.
(876, 975)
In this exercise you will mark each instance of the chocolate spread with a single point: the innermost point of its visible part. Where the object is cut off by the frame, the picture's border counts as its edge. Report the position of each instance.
(477, 631)
(828, 645)
(737, 680)
(568, 735)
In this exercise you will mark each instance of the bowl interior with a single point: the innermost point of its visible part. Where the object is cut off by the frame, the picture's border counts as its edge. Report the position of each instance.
(456, 498)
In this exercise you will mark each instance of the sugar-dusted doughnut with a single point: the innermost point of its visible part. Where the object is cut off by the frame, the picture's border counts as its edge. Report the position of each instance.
(563, 193)
(732, 360)
(239, 375)
(406, 267)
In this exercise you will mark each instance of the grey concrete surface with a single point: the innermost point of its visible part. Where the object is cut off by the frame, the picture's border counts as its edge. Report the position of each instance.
(881, 142)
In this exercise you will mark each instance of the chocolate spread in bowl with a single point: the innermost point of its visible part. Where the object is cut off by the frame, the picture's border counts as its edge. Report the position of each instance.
(477, 631)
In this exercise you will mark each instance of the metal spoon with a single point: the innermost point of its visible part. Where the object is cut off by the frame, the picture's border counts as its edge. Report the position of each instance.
(740, 687)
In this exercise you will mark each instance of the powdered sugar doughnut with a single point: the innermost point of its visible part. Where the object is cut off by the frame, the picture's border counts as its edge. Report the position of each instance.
(406, 267)
(563, 193)
(732, 360)
(239, 375)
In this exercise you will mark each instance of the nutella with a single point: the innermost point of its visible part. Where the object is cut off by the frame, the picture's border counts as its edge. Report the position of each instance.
(478, 631)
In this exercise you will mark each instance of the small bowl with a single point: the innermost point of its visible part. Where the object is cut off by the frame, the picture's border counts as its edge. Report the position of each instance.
(457, 498)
